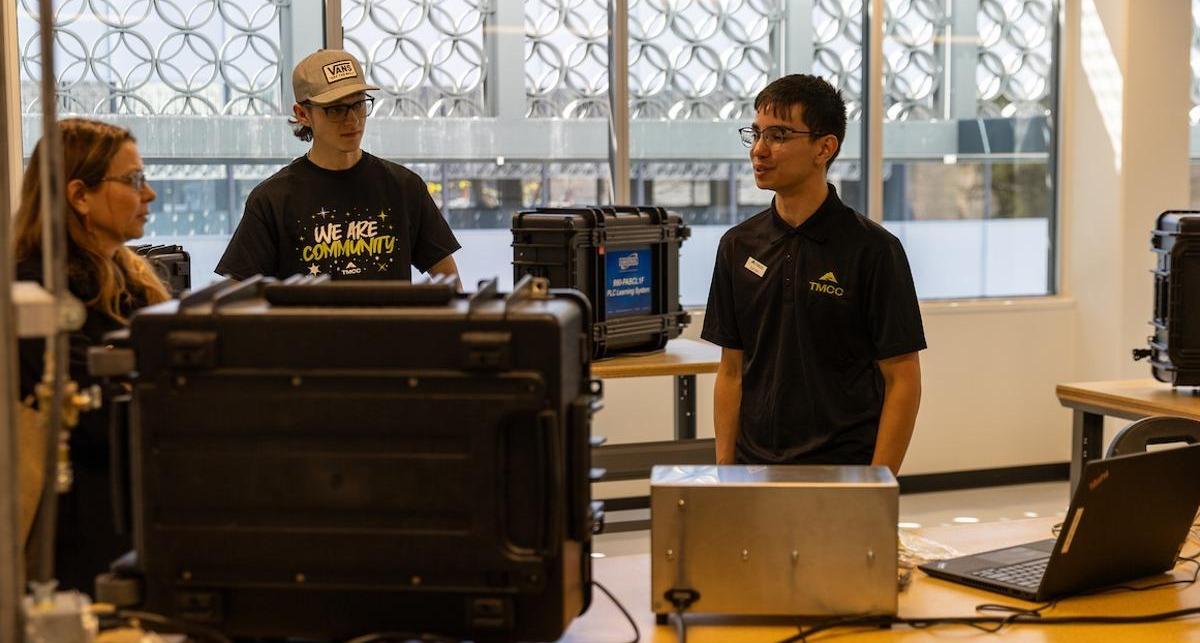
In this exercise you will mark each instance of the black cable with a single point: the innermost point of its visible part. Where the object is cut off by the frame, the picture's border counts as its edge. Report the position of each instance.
(849, 621)
(682, 598)
(680, 627)
(190, 629)
(404, 637)
(1015, 609)
(1186, 582)
(637, 633)
(1019, 617)
(1013, 613)
(1113, 620)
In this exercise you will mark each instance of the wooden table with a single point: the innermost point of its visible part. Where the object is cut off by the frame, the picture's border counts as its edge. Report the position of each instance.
(1128, 399)
(629, 578)
(682, 359)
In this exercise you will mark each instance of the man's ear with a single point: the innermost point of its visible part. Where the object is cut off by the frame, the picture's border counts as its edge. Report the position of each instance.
(301, 115)
(78, 197)
(829, 147)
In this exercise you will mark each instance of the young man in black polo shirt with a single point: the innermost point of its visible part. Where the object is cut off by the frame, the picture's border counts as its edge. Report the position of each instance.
(813, 305)
(337, 210)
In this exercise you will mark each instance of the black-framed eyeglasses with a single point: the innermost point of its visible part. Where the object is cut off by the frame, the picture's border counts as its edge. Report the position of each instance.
(135, 179)
(774, 135)
(362, 108)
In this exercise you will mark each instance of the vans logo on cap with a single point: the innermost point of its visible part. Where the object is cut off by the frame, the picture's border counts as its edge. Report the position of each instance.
(339, 70)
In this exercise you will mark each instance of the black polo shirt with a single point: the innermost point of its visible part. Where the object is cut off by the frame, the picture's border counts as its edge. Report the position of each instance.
(813, 308)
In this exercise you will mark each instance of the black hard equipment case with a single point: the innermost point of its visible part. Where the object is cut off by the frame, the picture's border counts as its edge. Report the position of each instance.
(1175, 345)
(624, 258)
(328, 460)
(172, 263)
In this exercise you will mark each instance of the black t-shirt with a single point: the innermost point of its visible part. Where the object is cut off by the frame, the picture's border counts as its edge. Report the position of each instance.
(95, 326)
(813, 308)
(372, 221)
(86, 538)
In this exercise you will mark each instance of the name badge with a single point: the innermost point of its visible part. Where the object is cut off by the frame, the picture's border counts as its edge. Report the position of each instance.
(756, 267)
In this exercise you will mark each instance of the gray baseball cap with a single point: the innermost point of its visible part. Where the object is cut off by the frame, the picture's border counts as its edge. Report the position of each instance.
(328, 75)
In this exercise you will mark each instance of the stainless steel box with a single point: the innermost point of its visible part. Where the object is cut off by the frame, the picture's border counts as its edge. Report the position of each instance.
(775, 540)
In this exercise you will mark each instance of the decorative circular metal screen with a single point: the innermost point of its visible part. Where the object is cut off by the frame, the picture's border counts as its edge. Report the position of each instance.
(158, 56)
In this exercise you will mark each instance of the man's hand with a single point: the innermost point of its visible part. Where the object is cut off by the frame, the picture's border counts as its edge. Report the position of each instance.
(448, 268)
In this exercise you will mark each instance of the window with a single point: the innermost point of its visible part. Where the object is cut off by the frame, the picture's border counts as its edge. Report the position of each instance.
(968, 144)
(172, 73)
(503, 105)
(695, 69)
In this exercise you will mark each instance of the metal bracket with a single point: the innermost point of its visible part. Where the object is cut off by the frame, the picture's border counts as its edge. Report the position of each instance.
(529, 287)
(39, 315)
(685, 407)
(488, 290)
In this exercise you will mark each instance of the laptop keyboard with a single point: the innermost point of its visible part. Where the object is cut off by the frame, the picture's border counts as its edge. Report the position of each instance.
(1027, 574)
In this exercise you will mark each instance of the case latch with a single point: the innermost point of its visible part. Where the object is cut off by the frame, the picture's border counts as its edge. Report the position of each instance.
(487, 351)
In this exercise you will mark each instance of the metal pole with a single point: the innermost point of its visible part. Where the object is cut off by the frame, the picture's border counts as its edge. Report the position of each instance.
(504, 36)
(796, 37)
(1056, 274)
(333, 24)
(231, 200)
(544, 188)
(12, 564)
(54, 279)
(618, 99)
(963, 52)
(732, 182)
(872, 119)
(287, 61)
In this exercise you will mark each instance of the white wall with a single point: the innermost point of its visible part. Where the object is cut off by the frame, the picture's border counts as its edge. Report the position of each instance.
(989, 378)
(991, 369)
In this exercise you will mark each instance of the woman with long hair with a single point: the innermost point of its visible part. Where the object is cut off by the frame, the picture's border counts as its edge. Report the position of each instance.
(107, 201)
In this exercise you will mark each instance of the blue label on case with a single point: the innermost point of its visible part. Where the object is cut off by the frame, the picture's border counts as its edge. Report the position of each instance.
(628, 281)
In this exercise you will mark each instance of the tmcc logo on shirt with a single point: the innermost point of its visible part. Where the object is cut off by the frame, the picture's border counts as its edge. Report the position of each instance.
(827, 284)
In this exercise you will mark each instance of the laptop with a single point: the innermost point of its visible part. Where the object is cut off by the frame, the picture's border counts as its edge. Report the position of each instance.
(1129, 519)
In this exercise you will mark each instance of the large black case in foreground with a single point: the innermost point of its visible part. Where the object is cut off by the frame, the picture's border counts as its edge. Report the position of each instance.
(328, 460)
(1175, 346)
(588, 248)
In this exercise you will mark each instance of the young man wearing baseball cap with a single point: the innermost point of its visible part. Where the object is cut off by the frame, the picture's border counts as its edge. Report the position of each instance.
(338, 210)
